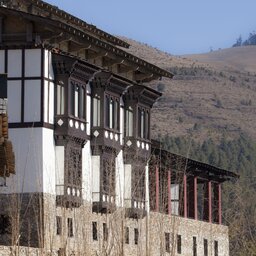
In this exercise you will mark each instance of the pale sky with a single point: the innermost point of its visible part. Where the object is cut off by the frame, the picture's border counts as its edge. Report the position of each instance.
(175, 26)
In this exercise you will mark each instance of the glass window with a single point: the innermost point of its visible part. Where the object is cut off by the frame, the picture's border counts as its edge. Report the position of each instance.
(94, 231)
(129, 122)
(96, 110)
(205, 247)
(60, 100)
(112, 112)
(143, 123)
(167, 242)
(70, 227)
(127, 238)
(58, 225)
(136, 236)
(194, 246)
(179, 244)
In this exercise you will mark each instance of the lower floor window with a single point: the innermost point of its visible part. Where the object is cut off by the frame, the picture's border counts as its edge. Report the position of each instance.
(70, 227)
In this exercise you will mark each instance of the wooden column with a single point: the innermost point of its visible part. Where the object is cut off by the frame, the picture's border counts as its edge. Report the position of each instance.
(169, 194)
(208, 202)
(157, 188)
(192, 198)
(185, 201)
(1, 29)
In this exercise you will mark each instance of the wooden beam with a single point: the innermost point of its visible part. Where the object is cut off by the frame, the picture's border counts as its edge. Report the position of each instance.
(29, 32)
(142, 76)
(1, 29)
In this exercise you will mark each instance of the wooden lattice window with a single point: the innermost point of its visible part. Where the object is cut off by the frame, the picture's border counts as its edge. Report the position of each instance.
(108, 176)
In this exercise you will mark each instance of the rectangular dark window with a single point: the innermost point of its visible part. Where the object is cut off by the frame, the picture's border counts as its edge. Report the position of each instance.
(70, 227)
(129, 122)
(143, 123)
(136, 236)
(94, 231)
(5, 224)
(60, 100)
(216, 248)
(167, 242)
(105, 232)
(138, 184)
(58, 225)
(179, 244)
(112, 113)
(96, 110)
(77, 100)
(127, 237)
(205, 247)
(194, 246)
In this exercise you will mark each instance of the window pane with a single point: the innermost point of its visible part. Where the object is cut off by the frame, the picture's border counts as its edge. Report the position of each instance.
(60, 100)
(82, 103)
(96, 111)
(94, 231)
(111, 114)
(76, 100)
(72, 99)
(70, 227)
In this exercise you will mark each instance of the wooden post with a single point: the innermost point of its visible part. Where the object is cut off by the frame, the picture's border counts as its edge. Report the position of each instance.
(219, 204)
(210, 200)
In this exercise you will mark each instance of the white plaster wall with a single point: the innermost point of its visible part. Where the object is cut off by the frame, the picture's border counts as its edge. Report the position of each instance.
(27, 144)
(51, 73)
(46, 105)
(32, 62)
(32, 104)
(49, 182)
(87, 172)
(127, 185)
(120, 179)
(51, 103)
(14, 63)
(46, 63)
(14, 101)
(2, 61)
(95, 178)
(88, 114)
(59, 169)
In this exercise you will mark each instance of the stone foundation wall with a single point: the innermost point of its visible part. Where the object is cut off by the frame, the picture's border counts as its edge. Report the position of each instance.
(113, 240)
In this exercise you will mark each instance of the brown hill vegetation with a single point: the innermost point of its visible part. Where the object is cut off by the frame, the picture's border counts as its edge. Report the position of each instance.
(211, 94)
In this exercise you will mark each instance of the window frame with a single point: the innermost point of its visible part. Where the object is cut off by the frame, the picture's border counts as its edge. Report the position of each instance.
(112, 112)
(143, 122)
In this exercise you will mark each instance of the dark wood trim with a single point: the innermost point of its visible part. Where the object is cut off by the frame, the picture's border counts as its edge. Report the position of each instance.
(31, 125)
(6, 60)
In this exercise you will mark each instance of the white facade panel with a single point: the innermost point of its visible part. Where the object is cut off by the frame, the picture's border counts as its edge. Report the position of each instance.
(51, 73)
(175, 191)
(88, 114)
(87, 172)
(14, 63)
(32, 104)
(14, 101)
(127, 185)
(59, 169)
(46, 99)
(51, 103)
(2, 61)
(32, 62)
(120, 179)
(46, 63)
(48, 144)
(96, 178)
(27, 145)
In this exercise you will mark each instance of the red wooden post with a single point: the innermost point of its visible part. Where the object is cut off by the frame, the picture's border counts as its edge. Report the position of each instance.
(219, 204)
(210, 201)
(169, 194)
(157, 189)
(185, 208)
(195, 199)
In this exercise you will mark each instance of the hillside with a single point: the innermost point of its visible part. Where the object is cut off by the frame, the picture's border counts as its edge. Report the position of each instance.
(211, 95)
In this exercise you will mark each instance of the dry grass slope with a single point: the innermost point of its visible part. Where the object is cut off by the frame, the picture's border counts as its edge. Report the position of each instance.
(211, 94)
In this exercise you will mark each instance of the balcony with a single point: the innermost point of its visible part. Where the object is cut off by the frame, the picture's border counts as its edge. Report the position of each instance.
(103, 203)
(137, 209)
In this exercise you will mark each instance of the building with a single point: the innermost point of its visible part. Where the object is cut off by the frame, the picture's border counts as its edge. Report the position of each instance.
(79, 119)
